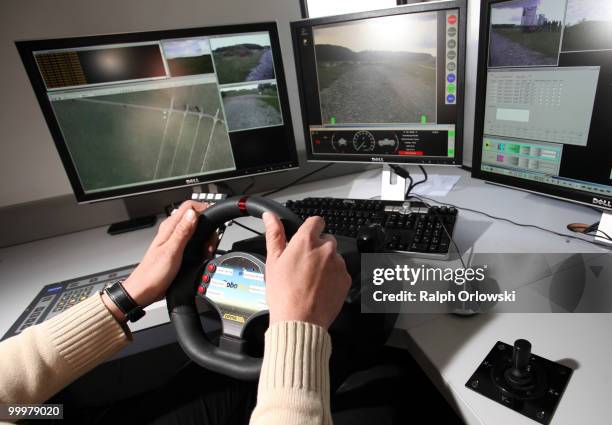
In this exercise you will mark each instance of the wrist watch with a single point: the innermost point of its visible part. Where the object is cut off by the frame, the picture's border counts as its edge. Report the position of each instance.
(117, 293)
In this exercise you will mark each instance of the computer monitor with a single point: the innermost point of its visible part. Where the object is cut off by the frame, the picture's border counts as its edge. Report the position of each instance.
(141, 112)
(544, 98)
(383, 86)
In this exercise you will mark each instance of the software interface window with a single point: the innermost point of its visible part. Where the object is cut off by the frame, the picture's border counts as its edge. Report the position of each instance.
(549, 85)
(135, 113)
(383, 86)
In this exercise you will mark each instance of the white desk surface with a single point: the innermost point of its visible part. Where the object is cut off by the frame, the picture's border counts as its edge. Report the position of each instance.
(449, 348)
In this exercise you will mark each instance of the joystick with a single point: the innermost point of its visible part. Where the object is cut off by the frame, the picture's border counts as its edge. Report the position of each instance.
(520, 380)
(520, 374)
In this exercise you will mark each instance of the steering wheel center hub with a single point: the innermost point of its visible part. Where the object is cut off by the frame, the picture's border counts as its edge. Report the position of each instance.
(234, 285)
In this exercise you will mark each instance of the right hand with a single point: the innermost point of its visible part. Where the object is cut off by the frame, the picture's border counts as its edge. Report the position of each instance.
(306, 280)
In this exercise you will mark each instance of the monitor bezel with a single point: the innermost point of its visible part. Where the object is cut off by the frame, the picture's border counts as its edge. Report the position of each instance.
(573, 195)
(434, 6)
(27, 47)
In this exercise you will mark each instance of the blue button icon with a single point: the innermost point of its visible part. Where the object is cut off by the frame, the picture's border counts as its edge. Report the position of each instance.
(450, 98)
(451, 78)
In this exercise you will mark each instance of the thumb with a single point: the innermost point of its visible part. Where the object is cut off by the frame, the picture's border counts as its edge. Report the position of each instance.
(275, 235)
(183, 231)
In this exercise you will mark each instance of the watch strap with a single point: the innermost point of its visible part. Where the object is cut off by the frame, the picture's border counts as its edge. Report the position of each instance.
(124, 302)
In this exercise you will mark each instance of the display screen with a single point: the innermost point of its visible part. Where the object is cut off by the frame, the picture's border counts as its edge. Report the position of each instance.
(383, 87)
(181, 106)
(237, 288)
(548, 96)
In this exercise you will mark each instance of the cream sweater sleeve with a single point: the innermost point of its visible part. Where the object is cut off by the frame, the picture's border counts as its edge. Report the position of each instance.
(44, 358)
(294, 381)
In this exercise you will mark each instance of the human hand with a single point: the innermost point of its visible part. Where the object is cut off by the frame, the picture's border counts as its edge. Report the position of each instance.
(306, 280)
(160, 264)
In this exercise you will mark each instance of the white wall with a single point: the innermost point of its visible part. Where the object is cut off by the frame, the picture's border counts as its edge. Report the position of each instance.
(30, 168)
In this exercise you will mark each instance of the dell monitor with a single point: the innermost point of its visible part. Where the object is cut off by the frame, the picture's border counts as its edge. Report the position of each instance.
(148, 111)
(544, 98)
(383, 86)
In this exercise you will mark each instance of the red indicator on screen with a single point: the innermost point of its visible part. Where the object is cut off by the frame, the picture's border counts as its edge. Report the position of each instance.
(317, 142)
(452, 19)
(411, 153)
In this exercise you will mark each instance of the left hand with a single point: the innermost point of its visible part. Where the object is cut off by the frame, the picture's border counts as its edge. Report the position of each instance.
(152, 277)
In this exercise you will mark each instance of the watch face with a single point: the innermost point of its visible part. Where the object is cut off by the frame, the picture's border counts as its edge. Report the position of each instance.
(234, 284)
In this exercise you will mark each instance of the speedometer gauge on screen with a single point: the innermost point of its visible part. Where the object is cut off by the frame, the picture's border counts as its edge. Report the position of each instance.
(234, 284)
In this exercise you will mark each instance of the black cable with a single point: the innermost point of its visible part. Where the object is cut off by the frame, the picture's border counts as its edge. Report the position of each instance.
(296, 181)
(421, 198)
(247, 228)
(412, 186)
(605, 235)
(405, 174)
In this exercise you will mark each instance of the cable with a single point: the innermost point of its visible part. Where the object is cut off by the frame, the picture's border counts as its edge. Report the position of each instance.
(411, 187)
(405, 174)
(533, 226)
(296, 181)
(246, 227)
(605, 235)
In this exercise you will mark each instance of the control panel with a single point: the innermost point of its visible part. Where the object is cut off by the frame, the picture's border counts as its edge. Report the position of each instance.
(57, 297)
(429, 140)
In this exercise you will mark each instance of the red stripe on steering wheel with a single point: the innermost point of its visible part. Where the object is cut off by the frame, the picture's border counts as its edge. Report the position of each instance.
(242, 205)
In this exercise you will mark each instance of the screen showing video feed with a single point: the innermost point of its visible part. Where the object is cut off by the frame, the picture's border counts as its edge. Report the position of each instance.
(382, 87)
(132, 114)
(549, 93)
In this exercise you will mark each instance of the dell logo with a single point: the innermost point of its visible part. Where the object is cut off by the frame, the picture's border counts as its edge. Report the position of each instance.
(602, 202)
(192, 181)
(376, 159)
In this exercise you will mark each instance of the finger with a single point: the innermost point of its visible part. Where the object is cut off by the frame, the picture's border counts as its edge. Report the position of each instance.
(275, 235)
(312, 227)
(211, 245)
(329, 239)
(169, 224)
(182, 231)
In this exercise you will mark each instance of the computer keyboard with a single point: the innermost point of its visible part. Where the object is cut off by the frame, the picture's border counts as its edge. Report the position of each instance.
(410, 226)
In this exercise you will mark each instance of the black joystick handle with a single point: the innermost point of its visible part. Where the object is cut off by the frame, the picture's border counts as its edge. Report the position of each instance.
(520, 358)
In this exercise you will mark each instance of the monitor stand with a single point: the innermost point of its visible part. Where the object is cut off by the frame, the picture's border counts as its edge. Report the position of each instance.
(393, 187)
(605, 226)
(136, 221)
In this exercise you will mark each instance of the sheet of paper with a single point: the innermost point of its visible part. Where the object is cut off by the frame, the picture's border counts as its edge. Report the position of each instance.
(436, 184)
(368, 185)
(605, 225)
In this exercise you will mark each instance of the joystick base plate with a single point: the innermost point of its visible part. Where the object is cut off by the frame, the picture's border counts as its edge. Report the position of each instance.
(540, 406)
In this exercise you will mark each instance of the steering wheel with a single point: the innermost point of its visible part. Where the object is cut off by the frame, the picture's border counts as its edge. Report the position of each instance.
(236, 274)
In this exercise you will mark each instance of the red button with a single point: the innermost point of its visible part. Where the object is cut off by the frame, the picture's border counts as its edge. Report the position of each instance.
(211, 268)
(205, 278)
(201, 290)
(452, 19)
(411, 153)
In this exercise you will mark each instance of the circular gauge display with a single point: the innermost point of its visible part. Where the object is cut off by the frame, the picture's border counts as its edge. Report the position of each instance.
(340, 142)
(363, 141)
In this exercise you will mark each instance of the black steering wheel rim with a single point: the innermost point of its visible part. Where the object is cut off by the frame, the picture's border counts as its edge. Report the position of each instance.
(180, 298)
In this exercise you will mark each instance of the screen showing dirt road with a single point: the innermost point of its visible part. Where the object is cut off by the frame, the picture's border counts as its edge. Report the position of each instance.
(383, 86)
